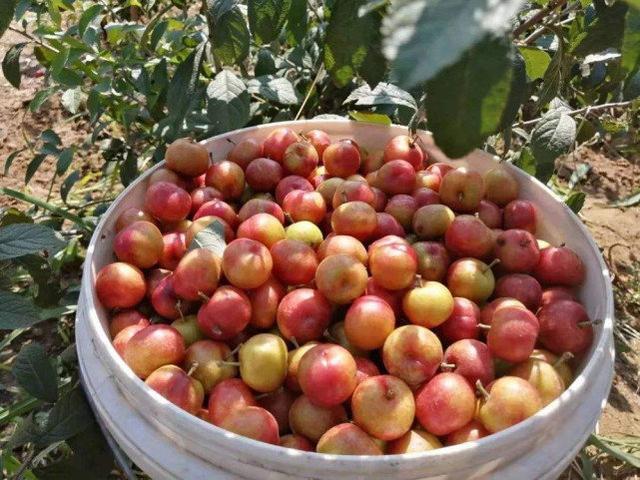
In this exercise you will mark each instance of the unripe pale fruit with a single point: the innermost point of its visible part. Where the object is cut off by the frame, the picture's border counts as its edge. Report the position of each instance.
(263, 228)
(559, 266)
(513, 334)
(337, 334)
(306, 232)
(522, 287)
(243, 152)
(368, 322)
(291, 183)
(445, 404)
(311, 420)
(432, 221)
(293, 362)
(393, 266)
(472, 359)
(433, 260)
(246, 263)
(510, 401)
(124, 319)
(357, 219)
(187, 157)
(252, 422)
(341, 278)
(427, 179)
(517, 250)
(560, 364)
(260, 205)
(294, 262)
(263, 174)
(153, 347)
(263, 362)
(120, 285)
(383, 406)
(470, 278)
(520, 214)
(428, 305)
(277, 142)
(197, 273)
(565, 327)
(468, 236)
(545, 379)
(342, 159)
(462, 189)
(132, 215)
(188, 328)
(396, 176)
(342, 244)
(264, 303)
(206, 357)
(228, 395)
(347, 439)
(501, 187)
(303, 314)
(226, 314)
(301, 206)
(412, 353)
(327, 188)
(413, 441)
(167, 202)
(226, 177)
(472, 431)
(405, 148)
(327, 374)
(300, 158)
(176, 386)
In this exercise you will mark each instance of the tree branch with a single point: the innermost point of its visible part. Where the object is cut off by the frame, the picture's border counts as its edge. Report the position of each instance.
(538, 17)
(590, 109)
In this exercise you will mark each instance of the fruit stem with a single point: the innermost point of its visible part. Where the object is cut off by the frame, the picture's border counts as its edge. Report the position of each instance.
(484, 326)
(295, 342)
(445, 365)
(233, 352)
(192, 368)
(204, 296)
(231, 141)
(481, 390)
(493, 263)
(179, 308)
(228, 364)
(419, 282)
(586, 323)
(565, 357)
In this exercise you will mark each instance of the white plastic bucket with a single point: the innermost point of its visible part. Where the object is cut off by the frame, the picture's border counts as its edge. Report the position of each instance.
(168, 443)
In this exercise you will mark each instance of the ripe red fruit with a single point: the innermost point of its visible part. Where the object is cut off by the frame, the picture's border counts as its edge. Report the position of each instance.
(166, 175)
(357, 219)
(252, 422)
(342, 159)
(342, 244)
(246, 263)
(228, 395)
(462, 189)
(341, 278)
(122, 338)
(445, 404)
(301, 205)
(427, 179)
(187, 157)
(393, 266)
(263, 228)
(559, 266)
(486, 314)
(490, 214)
(366, 368)
(554, 294)
(520, 214)
(176, 386)
(140, 244)
(198, 273)
(472, 359)
(351, 191)
(243, 152)
(392, 297)
(291, 183)
(386, 225)
(153, 347)
(327, 375)
(402, 207)
(278, 404)
(368, 322)
(303, 314)
(294, 262)
(522, 287)
(167, 202)
(405, 148)
(517, 250)
(226, 314)
(463, 321)
(510, 401)
(277, 142)
(433, 260)
(562, 327)
(319, 139)
(264, 303)
(132, 215)
(203, 222)
(174, 248)
(513, 334)
(468, 236)
(396, 176)
(260, 205)
(263, 174)
(120, 285)
(124, 319)
(165, 301)
(227, 177)
(472, 431)
(425, 196)
(218, 208)
(347, 439)
(296, 442)
(300, 158)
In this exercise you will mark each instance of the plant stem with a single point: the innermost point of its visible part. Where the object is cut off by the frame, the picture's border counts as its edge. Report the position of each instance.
(25, 465)
(310, 89)
(590, 109)
(538, 17)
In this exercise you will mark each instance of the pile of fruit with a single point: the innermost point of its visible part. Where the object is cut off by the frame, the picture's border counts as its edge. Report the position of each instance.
(310, 294)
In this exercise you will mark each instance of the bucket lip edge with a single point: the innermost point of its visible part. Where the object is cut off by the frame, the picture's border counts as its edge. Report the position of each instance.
(490, 442)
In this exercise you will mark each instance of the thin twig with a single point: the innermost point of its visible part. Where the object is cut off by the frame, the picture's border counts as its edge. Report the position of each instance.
(590, 109)
(311, 87)
(25, 465)
(538, 17)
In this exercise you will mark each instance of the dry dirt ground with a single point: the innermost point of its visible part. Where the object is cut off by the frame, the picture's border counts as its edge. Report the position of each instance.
(617, 230)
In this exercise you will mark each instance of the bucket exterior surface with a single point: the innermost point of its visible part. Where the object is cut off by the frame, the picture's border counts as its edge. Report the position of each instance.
(169, 443)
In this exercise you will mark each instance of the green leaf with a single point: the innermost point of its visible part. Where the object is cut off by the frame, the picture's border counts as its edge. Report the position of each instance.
(230, 37)
(71, 99)
(68, 184)
(17, 311)
(129, 168)
(526, 161)
(210, 237)
(275, 89)
(606, 31)
(350, 40)
(552, 136)
(69, 416)
(33, 166)
(18, 240)
(382, 94)
(266, 63)
(466, 101)
(64, 161)
(586, 466)
(556, 73)
(181, 90)
(11, 64)
(7, 9)
(27, 431)
(228, 103)
(33, 371)
(631, 41)
(369, 117)
(575, 201)
(536, 61)
(517, 91)
(49, 136)
(630, 201)
(620, 454)
(88, 16)
(422, 37)
(10, 159)
(266, 18)
(297, 21)
(39, 99)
